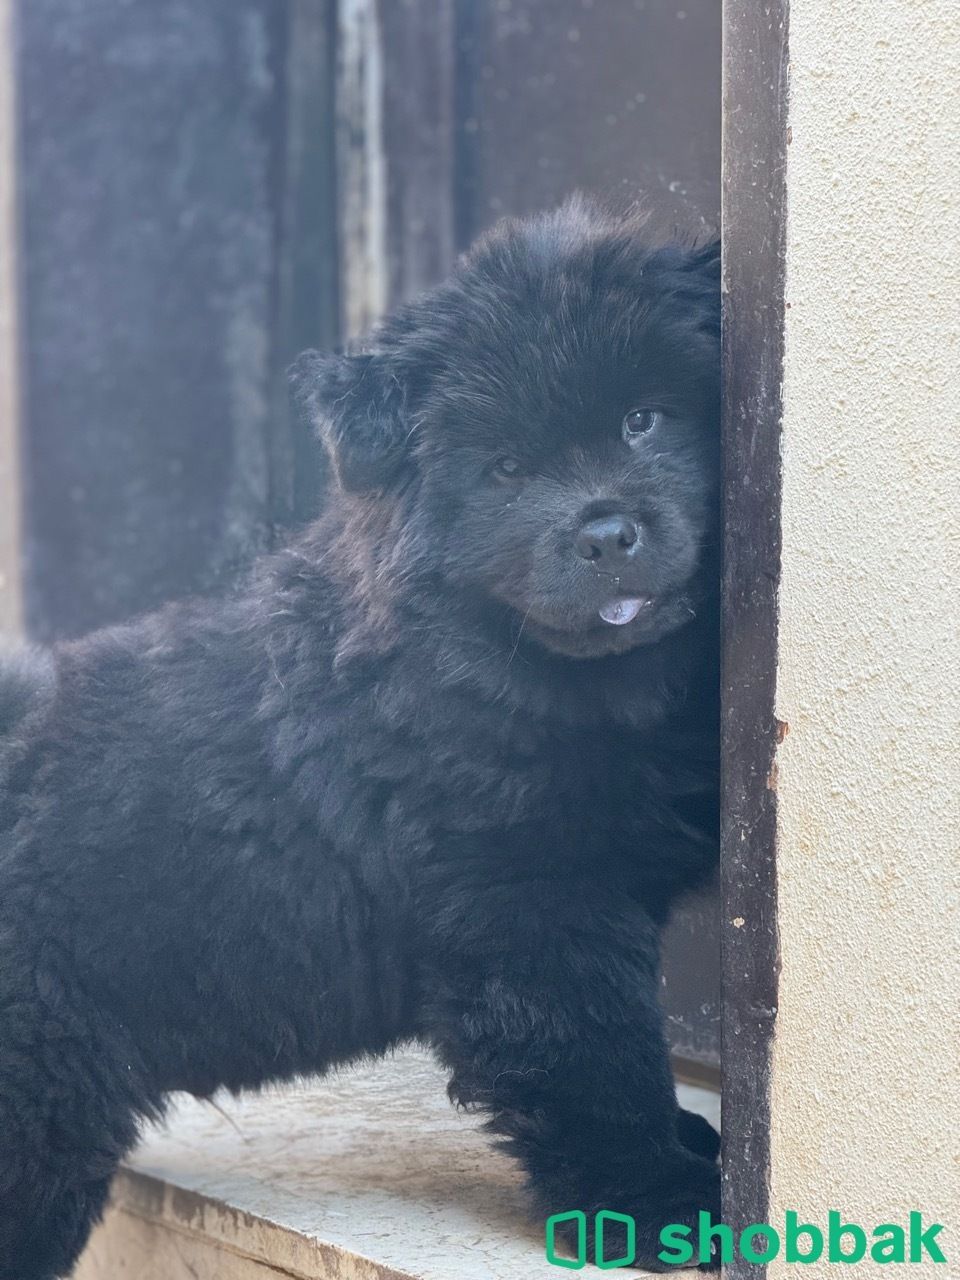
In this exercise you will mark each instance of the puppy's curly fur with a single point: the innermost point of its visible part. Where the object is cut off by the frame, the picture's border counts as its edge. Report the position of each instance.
(410, 781)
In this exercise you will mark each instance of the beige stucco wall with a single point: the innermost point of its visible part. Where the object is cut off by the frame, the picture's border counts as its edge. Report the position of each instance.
(867, 1056)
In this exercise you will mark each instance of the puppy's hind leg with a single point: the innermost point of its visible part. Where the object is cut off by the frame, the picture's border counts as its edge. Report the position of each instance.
(71, 1094)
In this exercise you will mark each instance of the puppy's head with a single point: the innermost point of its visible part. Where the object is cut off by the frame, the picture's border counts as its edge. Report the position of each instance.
(545, 427)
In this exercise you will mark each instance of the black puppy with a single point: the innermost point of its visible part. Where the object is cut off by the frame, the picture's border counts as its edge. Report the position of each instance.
(438, 771)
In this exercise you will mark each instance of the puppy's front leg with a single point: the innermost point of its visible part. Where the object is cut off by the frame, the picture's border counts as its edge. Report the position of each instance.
(543, 1002)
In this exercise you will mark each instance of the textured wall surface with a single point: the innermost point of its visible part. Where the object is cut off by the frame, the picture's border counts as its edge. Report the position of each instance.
(149, 180)
(866, 1105)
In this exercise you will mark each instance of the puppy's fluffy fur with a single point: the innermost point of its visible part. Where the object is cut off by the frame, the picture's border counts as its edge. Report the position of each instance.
(407, 782)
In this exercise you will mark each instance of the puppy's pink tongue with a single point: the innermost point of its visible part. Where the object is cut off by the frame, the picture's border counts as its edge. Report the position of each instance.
(619, 612)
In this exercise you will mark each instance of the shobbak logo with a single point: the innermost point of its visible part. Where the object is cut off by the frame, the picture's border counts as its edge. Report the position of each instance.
(802, 1242)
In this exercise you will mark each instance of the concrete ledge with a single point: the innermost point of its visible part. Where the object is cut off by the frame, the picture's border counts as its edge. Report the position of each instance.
(366, 1175)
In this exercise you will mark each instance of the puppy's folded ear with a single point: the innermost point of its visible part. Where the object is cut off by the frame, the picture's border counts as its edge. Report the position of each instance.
(357, 407)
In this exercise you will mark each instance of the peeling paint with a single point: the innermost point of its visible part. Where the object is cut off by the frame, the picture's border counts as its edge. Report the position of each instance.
(361, 166)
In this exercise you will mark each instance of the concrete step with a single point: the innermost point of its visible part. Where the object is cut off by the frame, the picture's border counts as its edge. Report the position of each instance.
(368, 1174)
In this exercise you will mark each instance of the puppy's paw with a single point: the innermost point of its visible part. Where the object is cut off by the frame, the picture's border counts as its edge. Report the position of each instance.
(698, 1135)
(663, 1232)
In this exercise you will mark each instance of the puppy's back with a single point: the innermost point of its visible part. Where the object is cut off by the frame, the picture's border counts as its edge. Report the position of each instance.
(26, 687)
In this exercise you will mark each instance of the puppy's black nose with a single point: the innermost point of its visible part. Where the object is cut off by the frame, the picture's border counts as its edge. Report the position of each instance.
(610, 540)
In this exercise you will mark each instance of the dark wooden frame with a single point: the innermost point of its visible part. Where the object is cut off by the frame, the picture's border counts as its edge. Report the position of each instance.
(754, 197)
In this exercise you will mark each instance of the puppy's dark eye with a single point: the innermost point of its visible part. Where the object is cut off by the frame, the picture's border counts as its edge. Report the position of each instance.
(507, 469)
(638, 422)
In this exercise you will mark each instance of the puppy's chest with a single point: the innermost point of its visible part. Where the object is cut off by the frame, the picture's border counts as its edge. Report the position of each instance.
(636, 813)
(579, 789)
(485, 785)
(609, 783)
